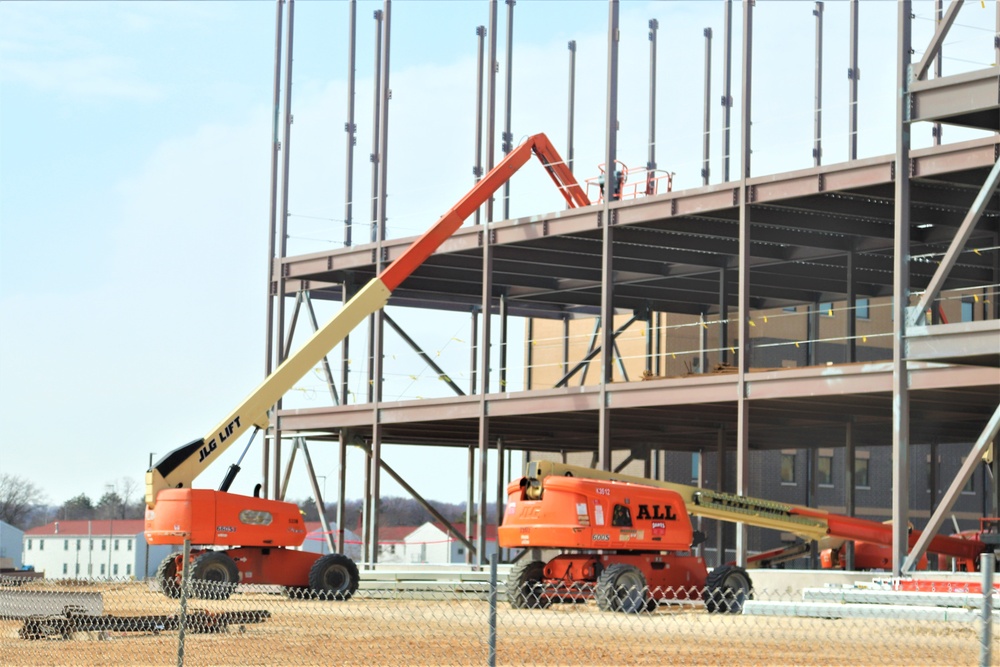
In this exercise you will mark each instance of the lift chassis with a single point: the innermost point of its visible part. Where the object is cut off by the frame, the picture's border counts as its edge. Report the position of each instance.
(627, 541)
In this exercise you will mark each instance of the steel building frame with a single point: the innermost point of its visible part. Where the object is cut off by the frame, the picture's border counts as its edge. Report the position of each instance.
(829, 232)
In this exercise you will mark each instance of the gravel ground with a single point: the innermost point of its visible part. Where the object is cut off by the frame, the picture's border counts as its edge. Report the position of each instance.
(373, 630)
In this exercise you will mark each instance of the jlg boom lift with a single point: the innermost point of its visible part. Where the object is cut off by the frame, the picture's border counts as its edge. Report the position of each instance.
(628, 540)
(246, 539)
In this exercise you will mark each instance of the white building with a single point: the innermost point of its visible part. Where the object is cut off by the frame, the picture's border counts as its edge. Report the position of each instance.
(431, 543)
(92, 550)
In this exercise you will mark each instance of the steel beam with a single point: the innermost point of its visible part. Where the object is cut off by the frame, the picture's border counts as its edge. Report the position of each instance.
(972, 461)
(937, 40)
(444, 377)
(979, 207)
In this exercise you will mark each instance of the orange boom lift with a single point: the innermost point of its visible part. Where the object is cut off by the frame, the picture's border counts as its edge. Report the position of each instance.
(628, 540)
(247, 539)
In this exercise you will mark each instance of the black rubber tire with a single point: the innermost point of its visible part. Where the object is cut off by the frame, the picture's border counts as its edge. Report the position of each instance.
(214, 576)
(622, 587)
(726, 589)
(524, 586)
(166, 576)
(334, 577)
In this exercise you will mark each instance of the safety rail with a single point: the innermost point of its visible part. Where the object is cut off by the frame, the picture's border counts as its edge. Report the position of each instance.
(632, 183)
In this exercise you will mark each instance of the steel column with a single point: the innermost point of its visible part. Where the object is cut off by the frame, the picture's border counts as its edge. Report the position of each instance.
(379, 338)
(501, 489)
(507, 138)
(273, 209)
(491, 100)
(938, 15)
(486, 341)
(853, 74)
(727, 84)
(607, 238)
(477, 168)
(504, 314)
(350, 127)
(572, 98)
(375, 158)
(283, 230)
(341, 486)
(651, 160)
(272, 287)
(720, 484)
(723, 317)
(707, 127)
(851, 321)
(470, 501)
(473, 351)
(901, 295)
(818, 93)
(743, 404)
(850, 456)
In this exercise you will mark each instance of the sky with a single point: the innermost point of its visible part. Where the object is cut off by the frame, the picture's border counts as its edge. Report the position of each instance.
(135, 143)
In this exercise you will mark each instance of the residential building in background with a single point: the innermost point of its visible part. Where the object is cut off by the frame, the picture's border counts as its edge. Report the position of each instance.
(92, 549)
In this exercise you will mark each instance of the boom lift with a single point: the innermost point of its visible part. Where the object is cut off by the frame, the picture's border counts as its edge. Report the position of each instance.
(247, 539)
(627, 540)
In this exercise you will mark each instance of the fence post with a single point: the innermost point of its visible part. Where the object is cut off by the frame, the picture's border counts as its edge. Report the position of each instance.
(986, 566)
(492, 661)
(185, 585)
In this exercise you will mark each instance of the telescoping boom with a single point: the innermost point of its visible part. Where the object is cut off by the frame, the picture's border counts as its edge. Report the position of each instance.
(180, 467)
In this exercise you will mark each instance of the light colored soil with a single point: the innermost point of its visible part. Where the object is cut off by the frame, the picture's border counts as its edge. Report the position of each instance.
(369, 630)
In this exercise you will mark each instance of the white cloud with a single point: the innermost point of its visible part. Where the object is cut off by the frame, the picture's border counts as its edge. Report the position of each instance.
(94, 77)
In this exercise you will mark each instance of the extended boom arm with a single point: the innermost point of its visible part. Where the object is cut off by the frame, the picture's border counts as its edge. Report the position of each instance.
(180, 467)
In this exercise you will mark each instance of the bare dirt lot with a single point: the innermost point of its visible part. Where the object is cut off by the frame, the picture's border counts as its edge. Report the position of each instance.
(373, 629)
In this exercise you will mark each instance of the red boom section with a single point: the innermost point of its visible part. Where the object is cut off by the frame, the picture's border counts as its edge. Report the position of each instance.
(880, 533)
(424, 247)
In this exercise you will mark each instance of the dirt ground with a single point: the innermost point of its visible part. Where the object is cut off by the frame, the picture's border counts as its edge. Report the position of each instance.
(374, 630)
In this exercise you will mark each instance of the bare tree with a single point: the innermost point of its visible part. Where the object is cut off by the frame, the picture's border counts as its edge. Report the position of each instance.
(19, 498)
(133, 502)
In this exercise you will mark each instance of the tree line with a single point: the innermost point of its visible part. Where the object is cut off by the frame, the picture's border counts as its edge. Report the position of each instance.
(23, 505)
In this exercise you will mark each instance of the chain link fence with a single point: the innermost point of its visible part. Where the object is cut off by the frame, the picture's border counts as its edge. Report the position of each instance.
(486, 622)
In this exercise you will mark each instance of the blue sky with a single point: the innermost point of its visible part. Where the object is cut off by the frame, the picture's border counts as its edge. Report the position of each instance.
(134, 170)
